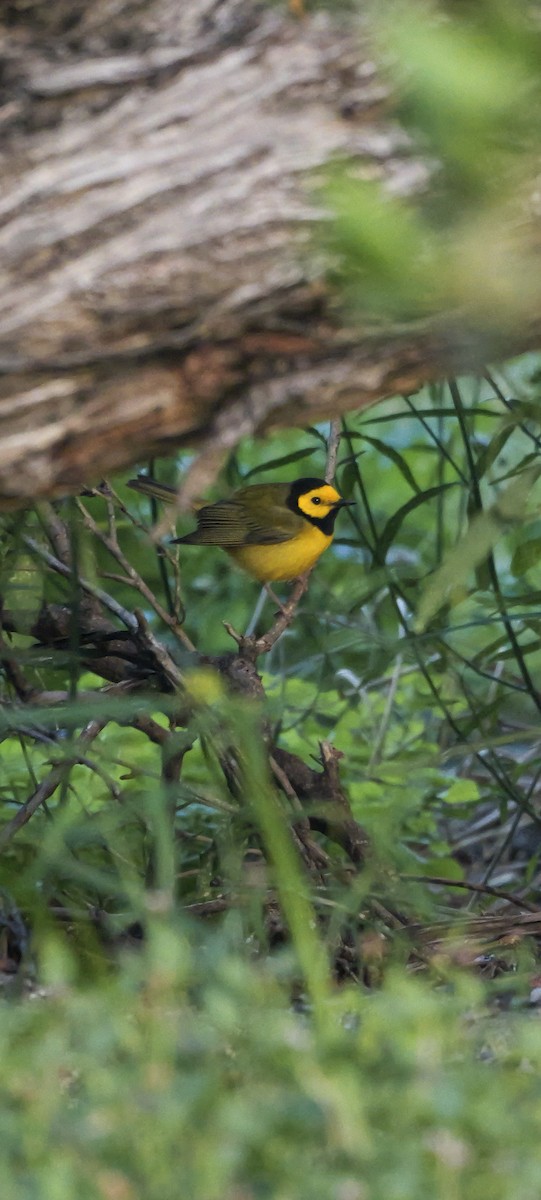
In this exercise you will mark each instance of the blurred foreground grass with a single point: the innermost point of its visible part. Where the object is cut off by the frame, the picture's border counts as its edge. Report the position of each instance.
(185, 1072)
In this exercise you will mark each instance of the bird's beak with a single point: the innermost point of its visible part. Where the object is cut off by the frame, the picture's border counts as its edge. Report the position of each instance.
(344, 503)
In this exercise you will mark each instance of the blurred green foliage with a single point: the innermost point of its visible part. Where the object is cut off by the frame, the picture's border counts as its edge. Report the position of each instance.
(188, 1073)
(456, 232)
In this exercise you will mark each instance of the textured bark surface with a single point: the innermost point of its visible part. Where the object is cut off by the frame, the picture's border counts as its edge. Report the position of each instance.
(160, 284)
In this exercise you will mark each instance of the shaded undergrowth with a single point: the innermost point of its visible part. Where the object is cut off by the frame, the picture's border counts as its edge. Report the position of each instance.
(271, 924)
(127, 704)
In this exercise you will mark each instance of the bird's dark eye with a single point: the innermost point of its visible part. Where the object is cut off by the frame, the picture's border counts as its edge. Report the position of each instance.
(316, 499)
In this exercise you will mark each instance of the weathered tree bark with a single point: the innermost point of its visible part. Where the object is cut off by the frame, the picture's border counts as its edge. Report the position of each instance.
(160, 282)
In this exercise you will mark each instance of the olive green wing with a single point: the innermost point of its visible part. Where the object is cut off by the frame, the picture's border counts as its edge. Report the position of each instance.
(268, 518)
(246, 519)
(221, 524)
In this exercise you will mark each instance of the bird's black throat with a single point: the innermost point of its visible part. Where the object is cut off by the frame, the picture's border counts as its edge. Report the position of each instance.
(326, 524)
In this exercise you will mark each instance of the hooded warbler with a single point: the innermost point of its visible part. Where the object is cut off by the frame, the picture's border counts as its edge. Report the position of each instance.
(274, 531)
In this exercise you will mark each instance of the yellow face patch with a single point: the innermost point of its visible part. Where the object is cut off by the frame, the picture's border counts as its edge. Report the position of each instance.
(319, 501)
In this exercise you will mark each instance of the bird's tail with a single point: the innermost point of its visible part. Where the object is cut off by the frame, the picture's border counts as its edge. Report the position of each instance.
(189, 539)
(150, 487)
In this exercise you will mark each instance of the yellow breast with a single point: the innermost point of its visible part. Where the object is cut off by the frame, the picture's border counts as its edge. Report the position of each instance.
(284, 560)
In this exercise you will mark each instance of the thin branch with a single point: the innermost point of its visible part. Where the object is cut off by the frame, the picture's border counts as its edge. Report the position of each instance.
(132, 577)
(333, 443)
(286, 785)
(384, 725)
(159, 652)
(147, 725)
(49, 785)
(9, 661)
(483, 888)
(315, 855)
(27, 810)
(108, 602)
(135, 622)
(175, 603)
(206, 908)
(56, 531)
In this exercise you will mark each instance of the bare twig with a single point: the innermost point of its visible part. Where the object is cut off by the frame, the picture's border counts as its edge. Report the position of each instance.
(206, 908)
(48, 786)
(110, 783)
(8, 660)
(159, 652)
(164, 555)
(45, 790)
(132, 577)
(384, 725)
(108, 602)
(285, 784)
(147, 725)
(134, 622)
(321, 794)
(56, 531)
(483, 888)
(333, 443)
(314, 856)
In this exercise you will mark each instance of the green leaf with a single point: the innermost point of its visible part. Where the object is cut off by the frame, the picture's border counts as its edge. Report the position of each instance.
(394, 523)
(518, 468)
(490, 453)
(462, 791)
(317, 434)
(473, 549)
(446, 868)
(284, 461)
(527, 555)
(396, 458)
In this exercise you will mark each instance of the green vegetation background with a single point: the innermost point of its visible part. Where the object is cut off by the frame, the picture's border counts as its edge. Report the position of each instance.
(190, 1060)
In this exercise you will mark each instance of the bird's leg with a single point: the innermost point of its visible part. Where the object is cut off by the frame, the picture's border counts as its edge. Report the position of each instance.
(252, 647)
(284, 606)
(274, 597)
(265, 593)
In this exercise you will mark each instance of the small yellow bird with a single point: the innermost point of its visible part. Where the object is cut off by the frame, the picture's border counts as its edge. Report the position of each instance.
(274, 531)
